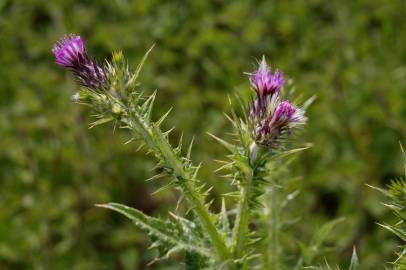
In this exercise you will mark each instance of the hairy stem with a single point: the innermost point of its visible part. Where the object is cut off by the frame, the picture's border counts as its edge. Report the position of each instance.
(242, 220)
(156, 140)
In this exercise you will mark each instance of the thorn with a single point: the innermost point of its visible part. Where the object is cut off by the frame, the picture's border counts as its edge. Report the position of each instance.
(180, 142)
(197, 170)
(102, 205)
(139, 147)
(179, 202)
(229, 100)
(229, 119)
(209, 189)
(155, 177)
(159, 122)
(209, 203)
(173, 215)
(130, 140)
(221, 161)
(228, 145)
(163, 188)
(403, 155)
(166, 133)
(141, 64)
(149, 103)
(376, 188)
(189, 151)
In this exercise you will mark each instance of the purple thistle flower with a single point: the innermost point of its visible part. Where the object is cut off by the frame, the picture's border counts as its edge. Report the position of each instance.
(278, 120)
(271, 119)
(284, 112)
(67, 49)
(70, 53)
(265, 82)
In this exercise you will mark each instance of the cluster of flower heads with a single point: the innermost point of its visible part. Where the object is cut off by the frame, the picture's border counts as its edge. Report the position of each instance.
(270, 117)
(70, 53)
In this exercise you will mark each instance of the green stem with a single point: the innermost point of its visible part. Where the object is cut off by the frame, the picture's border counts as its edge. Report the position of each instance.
(242, 220)
(208, 224)
(156, 140)
(193, 198)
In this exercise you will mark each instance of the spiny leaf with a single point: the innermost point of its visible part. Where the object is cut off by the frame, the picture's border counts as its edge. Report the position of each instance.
(165, 231)
(101, 121)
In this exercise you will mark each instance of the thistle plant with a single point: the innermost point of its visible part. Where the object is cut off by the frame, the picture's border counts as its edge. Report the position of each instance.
(241, 236)
(395, 194)
(396, 202)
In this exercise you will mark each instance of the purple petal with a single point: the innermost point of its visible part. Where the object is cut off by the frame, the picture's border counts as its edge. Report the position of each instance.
(264, 81)
(68, 49)
(284, 112)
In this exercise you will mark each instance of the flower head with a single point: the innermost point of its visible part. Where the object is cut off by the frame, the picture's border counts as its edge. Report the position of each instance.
(284, 112)
(270, 118)
(265, 82)
(279, 121)
(70, 53)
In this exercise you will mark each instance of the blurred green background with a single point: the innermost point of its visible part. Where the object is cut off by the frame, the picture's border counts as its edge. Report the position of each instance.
(351, 54)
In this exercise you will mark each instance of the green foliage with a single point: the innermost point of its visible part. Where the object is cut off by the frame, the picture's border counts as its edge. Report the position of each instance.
(248, 162)
(53, 170)
(354, 264)
(396, 194)
(132, 111)
(315, 247)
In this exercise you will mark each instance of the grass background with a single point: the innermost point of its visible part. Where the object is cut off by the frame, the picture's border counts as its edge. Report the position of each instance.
(351, 54)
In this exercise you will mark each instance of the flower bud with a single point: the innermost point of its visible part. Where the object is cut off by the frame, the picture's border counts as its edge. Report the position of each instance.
(116, 109)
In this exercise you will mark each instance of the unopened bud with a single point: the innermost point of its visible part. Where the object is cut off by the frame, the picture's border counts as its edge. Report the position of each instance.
(116, 109)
